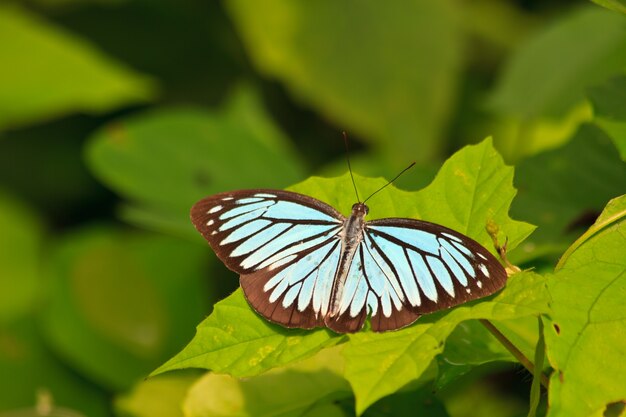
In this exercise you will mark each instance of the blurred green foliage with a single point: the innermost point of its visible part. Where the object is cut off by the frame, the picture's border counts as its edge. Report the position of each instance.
(117, 115)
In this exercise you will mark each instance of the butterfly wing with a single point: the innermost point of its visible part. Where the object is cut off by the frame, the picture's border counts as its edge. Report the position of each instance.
(405, 268)
(284, 245)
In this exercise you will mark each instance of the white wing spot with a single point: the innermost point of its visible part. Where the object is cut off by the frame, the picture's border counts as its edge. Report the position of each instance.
(265, 195)
(449, 236)
(484, 270)
(480, 284)
(210, 222)
(227, 198)
(468, 290)
(214, 232)
(214, 209)
(484, 258)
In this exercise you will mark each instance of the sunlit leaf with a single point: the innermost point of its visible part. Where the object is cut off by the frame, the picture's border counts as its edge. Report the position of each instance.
(584, 341)
(48, 72)
(388, 74)
(160, 396)
(237, 341)
(288, 391)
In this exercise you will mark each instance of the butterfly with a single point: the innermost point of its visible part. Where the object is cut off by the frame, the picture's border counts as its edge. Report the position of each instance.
(303, 264)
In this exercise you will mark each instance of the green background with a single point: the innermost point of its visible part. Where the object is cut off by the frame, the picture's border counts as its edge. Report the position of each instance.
(116, 116)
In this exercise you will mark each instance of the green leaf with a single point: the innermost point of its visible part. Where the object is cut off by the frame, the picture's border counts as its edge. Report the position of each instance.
(166, 160)
(548, 74)
(584, 342)
(388, 75)
(563, 187)
(609, 105)
(236, 340)
(380, 364)
(48, 72)
(20, 246)
(615, 5)
(287, 391)
(120, 303)
(161, 396)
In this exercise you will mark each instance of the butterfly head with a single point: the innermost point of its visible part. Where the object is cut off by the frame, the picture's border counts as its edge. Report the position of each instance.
(360, 209)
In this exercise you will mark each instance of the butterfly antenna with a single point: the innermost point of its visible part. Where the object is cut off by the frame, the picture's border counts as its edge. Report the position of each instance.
(390, 182)
(345, 141)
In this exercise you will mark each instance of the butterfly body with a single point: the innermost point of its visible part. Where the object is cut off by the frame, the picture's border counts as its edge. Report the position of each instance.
(303, 264)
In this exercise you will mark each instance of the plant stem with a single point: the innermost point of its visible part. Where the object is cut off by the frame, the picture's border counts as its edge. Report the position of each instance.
(514, 351)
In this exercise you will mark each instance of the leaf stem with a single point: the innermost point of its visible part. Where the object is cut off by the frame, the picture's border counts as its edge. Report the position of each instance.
(514, 350)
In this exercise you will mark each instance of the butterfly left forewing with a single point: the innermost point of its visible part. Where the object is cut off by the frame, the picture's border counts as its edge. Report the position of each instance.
(284, 245)
(250, 229)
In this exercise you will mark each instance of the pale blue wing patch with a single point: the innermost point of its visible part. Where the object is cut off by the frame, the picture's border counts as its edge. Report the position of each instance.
(353, 279)
(422, 275)
(382, 270)
(441, 274)
(419, 239)
(287, 210)
(324, 281)
(240, 219)
(245, 231)
(459, 258)
(298, 238)
(271, 253)
(397, 257)
(291, 295)
(255, 241)
(239, 210)
(312, 274)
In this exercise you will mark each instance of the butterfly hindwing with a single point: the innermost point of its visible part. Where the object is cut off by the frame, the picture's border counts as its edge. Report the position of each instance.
(284, 245)
(298, 294)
